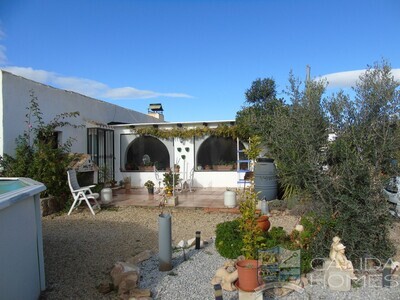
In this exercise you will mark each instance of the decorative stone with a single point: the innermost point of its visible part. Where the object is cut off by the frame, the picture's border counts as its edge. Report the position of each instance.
(250, 295)
(338, 280)
(299, 228)
(140, 293)
(181, 244)
(121, 270)
(128, 283)
(105, 287)
(225, 279)
(191, 242)
(142, 256)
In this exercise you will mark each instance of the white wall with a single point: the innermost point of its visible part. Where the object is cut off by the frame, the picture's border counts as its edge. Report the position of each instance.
(15, 97)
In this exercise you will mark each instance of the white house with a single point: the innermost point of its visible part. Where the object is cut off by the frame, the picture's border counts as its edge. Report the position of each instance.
(110, 135)
(14, 99)
(209, 159)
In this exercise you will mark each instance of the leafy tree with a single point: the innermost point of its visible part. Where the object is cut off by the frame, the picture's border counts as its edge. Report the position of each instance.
(367, 130)
(297, 137)
(341, 180)
(256, 117)
(38, 156)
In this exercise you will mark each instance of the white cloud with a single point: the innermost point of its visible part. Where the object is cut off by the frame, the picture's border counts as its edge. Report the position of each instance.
(129, 93)
(88, 87)
(348, 79)
(36, 75)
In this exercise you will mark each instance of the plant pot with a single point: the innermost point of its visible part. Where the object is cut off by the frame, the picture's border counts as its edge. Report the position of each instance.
(230, 199)
(264, 223)
(247, 274)
(106, 195)
(150, 190)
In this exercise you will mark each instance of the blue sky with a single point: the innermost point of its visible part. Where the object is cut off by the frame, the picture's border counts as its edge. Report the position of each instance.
(195, 57)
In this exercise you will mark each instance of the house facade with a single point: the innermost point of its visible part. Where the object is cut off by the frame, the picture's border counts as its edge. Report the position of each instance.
(197, 150)
(121, 139)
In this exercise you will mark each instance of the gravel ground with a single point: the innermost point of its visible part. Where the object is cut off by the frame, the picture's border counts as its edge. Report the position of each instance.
(80, 251)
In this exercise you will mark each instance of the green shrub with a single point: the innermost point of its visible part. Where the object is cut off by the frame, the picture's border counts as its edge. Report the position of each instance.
(277, 236)
(228, 239)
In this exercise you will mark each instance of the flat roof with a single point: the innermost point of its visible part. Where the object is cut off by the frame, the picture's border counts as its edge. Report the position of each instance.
(175, 123)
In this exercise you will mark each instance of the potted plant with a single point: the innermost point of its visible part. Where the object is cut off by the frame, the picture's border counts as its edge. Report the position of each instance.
(253, 238)
(150, 186)
(224, 166)
(170, 181)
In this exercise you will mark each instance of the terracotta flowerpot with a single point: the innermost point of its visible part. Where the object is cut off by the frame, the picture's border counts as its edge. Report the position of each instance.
(263, 223)
(247, 274)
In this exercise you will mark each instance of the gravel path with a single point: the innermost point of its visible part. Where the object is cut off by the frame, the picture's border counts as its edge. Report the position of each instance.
(80, 251)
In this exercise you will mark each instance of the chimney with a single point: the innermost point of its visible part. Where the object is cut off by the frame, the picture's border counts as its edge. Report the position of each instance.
(155, 110)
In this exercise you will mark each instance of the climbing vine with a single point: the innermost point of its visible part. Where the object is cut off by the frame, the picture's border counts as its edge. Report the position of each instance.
(187, 133)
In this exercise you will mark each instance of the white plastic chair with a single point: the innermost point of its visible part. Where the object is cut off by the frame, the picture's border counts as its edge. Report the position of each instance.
(81, 193)
(190, 180)
(188, 183)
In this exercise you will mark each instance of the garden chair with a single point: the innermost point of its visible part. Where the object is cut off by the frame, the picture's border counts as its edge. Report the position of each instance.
(187, 184)
(81, 193)
(189, 181)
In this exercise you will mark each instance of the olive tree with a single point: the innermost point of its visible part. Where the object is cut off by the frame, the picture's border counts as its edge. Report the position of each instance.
(360, 161)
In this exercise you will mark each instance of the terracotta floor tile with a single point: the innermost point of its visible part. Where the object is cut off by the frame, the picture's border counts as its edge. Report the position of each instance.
(199, 198)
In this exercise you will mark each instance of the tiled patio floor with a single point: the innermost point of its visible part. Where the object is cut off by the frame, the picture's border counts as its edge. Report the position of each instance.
(207, 198)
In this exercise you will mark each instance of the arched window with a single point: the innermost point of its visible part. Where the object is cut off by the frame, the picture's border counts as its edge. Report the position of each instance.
(145, 152)
(217, 151)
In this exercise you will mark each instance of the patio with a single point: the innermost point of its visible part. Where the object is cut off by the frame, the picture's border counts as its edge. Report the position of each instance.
(208, 198)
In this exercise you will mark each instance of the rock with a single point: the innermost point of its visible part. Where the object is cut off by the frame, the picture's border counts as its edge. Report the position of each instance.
(128, 283)
(142, 256)
(139, 293)
(105, 287)
(304, 280)
(191, 242)
(299, 228)
(121, 270)
(118, 278)
(181, 244)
